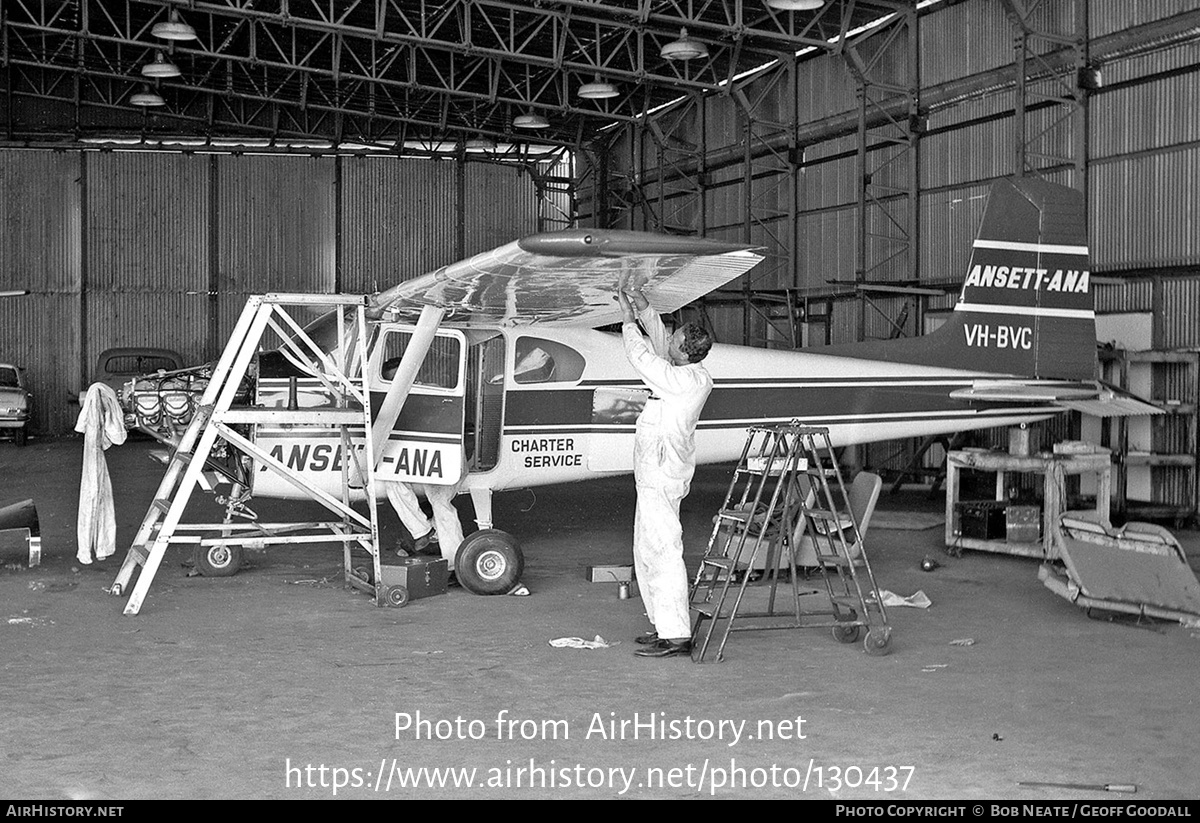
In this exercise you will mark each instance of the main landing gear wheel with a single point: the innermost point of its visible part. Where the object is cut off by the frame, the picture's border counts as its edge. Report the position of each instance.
(489, 561)
(218, 561)
(878, 641)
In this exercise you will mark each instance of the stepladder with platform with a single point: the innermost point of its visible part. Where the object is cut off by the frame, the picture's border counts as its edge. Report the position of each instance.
(218, 448)
(788, 512)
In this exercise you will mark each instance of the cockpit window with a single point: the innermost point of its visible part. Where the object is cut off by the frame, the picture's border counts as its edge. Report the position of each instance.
(440, 369)
(546, 361)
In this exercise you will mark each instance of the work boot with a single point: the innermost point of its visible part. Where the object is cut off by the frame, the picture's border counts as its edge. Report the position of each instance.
(666, 648)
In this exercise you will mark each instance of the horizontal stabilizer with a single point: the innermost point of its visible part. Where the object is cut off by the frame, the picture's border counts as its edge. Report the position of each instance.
(1096, 399)
(1113, 402)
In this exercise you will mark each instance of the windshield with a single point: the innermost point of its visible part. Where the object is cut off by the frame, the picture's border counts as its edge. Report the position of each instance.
(8, 376)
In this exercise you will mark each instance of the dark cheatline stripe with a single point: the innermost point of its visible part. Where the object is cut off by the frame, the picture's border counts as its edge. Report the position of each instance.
(574, 406)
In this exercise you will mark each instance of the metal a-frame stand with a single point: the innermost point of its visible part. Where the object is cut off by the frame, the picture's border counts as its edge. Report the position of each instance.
(786, 491)
(217, 419)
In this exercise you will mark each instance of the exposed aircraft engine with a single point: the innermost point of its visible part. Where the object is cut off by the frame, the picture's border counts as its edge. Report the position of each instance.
(163, 404)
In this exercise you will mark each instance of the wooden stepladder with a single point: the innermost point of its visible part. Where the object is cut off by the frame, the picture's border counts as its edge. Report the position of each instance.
(786, 495)
(346, 406)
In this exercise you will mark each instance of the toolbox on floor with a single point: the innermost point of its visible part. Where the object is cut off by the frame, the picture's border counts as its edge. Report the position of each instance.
(409, 578)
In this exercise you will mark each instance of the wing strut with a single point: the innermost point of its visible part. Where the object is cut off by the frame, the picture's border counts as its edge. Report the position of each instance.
(406, 375)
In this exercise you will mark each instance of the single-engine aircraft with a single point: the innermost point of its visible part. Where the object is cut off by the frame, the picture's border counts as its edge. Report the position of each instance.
(508, 384)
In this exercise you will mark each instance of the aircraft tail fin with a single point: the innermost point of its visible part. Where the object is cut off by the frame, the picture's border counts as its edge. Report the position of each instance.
(1026, 303)
(1025, 308)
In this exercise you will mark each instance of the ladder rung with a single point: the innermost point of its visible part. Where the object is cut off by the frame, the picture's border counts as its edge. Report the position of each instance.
(162, 504)
(737, 515)
(718, 562)
(706, 613)
(847, 600)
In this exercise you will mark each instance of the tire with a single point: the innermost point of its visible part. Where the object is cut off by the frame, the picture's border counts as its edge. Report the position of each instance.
(846, 634)
(396, 596)
(20, 436)
(878, 641)
(218, 561)
(489, 562)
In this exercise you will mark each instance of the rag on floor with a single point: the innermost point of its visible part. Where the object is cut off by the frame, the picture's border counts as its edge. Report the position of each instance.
(102, 424)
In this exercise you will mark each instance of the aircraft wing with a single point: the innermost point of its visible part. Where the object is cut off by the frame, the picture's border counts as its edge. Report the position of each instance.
(1098, 399)
(570, 278)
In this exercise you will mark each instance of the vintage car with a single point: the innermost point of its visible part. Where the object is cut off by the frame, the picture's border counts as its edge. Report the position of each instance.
(118, 366)
(15, 402)
(126, 367)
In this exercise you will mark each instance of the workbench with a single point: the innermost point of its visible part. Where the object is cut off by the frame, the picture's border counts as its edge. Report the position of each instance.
(1054, 469)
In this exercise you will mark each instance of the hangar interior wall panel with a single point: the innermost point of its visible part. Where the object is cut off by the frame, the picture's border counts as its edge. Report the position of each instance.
(39, 204)
(961, 40)
(147, 253)
(40, 252)
(1107, 18)
(169, 320)
(829, 183)
(824, 87)
(980, 151)
(500, 206)
(40, 332)
(826, 247)
(1128, 296)
(1145, 116)
(1179, 320)
(147, 223)
(276, 224)
(1144, 211)
(399, 219)
(949, 221)
(1182, 57)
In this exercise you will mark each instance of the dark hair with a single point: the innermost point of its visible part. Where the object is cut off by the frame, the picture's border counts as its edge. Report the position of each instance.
(696, 342)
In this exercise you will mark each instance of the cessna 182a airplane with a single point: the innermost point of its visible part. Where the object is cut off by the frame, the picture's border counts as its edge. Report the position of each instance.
(503, 382)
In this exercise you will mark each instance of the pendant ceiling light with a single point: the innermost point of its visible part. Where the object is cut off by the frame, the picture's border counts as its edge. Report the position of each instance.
(796, 5)
(685, 48)
(160, 67)
(146, 99)
(597, 90)
(174, 29)
(530, 121)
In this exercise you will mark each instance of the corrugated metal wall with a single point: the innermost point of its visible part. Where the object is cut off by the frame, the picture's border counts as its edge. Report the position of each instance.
(40, 252)
(147, 252)
(399, 220)
(148, 249)
(500, 206)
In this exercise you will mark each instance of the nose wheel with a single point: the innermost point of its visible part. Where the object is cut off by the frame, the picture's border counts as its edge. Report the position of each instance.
(218, 561)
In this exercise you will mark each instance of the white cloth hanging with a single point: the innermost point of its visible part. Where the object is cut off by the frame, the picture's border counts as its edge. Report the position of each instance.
(102, 424)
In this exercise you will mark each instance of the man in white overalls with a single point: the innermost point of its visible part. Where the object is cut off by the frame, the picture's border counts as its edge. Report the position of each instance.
(664, 459)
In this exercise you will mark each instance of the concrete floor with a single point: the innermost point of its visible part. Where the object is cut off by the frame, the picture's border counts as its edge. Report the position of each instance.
(249, 686)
